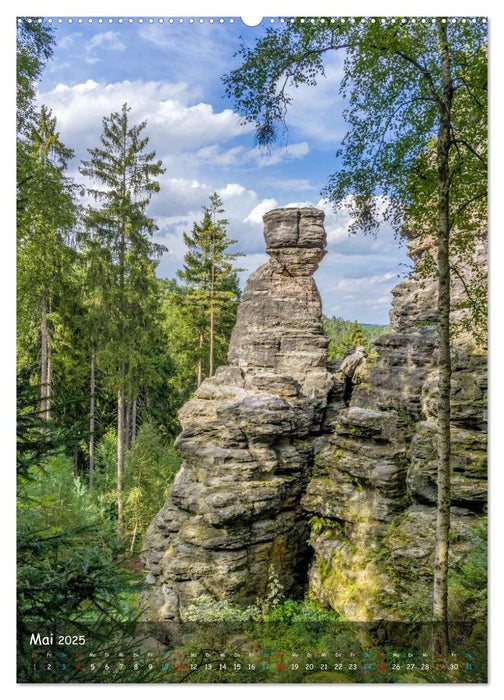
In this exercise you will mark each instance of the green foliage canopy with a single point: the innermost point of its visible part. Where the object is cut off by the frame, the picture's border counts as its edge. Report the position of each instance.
(345, 335)
(392, 86)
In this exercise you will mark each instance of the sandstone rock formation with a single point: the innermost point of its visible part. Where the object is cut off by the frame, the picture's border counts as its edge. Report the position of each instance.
(373, 492)
(234, 510)
(328, 476)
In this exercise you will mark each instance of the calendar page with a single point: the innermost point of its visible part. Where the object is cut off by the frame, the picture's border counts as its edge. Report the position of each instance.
(252, 349)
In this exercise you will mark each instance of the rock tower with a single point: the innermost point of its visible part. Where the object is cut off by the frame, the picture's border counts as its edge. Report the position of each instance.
(234, 513)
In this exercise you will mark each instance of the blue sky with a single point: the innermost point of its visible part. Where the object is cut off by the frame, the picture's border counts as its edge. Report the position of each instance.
(170, 75)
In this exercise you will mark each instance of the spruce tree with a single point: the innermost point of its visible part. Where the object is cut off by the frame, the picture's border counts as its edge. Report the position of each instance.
(355, 336)
(44, 250)
(214, 292)
(122, 261)
(34, 46)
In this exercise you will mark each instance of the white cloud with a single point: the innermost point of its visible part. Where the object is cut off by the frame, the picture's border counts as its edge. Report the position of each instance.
(257, 213)
(214, 154)
(336, 222)
(294, 185)
(349, 283)
(232, 190)
(192, 126)
(56, 67)
(175, 122)
(249, 264)
(179, 196)
(239, 155)
(292, 151)
(67, 41)
(300, 205)
(179, 204)
(188, 135)
(205, 55)
(107, 40)
(170, 235)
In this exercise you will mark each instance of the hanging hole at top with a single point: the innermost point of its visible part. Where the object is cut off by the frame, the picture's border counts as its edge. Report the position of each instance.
(251, 21)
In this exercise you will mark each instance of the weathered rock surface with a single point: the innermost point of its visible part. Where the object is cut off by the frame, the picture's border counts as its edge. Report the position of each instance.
(278, 451)
(372, 498)
(235, 507)
(278, 336)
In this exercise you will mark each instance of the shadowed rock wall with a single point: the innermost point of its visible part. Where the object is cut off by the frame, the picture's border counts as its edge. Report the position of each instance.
(372, 498)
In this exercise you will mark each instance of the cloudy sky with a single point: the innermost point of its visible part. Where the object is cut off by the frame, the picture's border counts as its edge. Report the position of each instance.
(170, 75)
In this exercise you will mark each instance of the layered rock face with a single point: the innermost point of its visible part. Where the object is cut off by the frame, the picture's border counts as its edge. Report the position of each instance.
(327, 478)
(373, 494)
(234, 513)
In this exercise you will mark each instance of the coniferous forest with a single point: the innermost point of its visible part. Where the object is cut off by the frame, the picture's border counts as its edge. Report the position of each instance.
(107, 352)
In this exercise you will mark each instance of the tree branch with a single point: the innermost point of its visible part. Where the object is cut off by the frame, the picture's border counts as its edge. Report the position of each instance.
(425, 73)
(481, 195)
(475, 153)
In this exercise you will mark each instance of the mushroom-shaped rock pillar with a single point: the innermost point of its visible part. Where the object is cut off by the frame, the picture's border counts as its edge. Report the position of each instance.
(234, 512)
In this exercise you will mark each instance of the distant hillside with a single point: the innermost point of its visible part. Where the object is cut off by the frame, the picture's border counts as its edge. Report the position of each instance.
(344, 335)
(373, 330)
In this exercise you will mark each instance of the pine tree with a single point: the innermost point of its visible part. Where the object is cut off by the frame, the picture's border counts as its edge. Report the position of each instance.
(345, 335)
(355, 336)
(214, 291)
(118, 233)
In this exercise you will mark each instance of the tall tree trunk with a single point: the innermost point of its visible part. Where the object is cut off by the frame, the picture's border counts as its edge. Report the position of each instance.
(211, 353)
(49, 379)
(122, 369)
(200, 360)
(135, 531)
(212, 296)
(440, 600)
(92, 420)
(120, 461)
(133, 422)
(43, 357)
(76, 461)
(128, 426)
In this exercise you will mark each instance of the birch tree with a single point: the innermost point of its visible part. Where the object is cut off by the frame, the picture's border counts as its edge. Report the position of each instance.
(415, 152)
